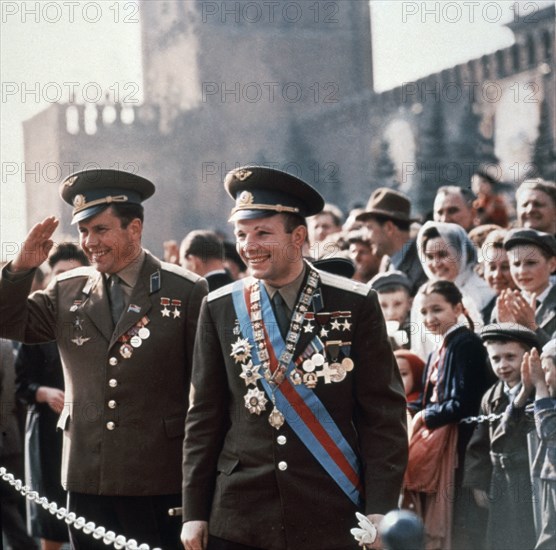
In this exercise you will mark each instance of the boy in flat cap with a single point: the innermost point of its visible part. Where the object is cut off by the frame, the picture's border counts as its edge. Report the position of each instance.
(297, 416)
(496, 461)
(394, 296)
(125, 329)
(532, 257)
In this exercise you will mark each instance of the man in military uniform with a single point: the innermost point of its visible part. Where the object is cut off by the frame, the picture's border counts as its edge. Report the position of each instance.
(297, 416)
(125, 328)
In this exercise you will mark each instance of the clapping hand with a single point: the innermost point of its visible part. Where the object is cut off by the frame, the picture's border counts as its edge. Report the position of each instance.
(514, 308)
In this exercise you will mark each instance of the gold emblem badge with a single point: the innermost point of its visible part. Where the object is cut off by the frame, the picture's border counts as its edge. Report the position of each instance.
(245, 199)
(242, 174)
(79, 201)
(70, 181)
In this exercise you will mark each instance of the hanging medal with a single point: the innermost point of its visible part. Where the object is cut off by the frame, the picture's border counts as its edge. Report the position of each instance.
(276, 418)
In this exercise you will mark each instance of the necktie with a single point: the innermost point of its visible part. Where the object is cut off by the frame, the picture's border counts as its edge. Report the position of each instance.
(117, 299)
(281, 313)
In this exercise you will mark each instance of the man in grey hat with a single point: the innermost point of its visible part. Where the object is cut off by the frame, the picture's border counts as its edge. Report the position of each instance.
(297, 416)
(387, 219)
(125, 329)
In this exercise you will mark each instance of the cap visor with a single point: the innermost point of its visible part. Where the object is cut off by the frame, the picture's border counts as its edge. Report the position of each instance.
(251, 215)
(88, 213)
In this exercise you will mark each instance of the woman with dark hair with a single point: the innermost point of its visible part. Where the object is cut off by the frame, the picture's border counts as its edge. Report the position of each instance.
(456, 376)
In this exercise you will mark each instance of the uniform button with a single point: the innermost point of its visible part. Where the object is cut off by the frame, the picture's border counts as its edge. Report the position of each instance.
(281, 439)
(112, 404)
(113, 361)
(112, 382)
(110, 425)
(282, 465)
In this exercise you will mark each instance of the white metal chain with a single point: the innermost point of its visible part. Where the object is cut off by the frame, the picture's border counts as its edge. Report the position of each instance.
(88, 527)
(481, 418)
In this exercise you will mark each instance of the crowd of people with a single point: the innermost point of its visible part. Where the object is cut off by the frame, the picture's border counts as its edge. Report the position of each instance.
(340, 362)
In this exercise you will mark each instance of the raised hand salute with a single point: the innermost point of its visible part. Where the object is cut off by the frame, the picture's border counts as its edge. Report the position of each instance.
(38, 243)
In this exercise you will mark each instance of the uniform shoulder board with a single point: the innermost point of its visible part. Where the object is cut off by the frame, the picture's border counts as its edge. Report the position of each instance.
(345, 284)
(84, 271)
(180, 271)
(219, 292)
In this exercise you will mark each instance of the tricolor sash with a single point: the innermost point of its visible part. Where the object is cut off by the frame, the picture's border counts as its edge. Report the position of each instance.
(302, 409)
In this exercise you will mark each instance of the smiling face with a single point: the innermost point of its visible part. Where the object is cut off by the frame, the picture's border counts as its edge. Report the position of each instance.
(379, 237)
(269, 251)
(505, 360)
(529, 267)
(108, 246)
(536, 210)
(441, 259)
(438, 314)
(497, 269)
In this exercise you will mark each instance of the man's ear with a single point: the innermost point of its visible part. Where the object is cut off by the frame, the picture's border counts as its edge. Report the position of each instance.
(136, 227)
(299, 235)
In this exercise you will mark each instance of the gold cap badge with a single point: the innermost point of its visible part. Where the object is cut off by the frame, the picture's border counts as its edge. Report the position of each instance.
(79, 201)
(243, 174)
(245, 199)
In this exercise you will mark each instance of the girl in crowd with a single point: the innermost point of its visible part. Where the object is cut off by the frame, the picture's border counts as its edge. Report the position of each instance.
(411, 369)
(456, 377)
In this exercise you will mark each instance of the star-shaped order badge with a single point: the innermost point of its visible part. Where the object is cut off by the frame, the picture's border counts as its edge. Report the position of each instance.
(255, 401)
(241, 350)
(250, 373)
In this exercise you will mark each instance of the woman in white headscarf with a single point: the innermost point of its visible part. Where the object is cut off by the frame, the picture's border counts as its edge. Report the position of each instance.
(447, 253)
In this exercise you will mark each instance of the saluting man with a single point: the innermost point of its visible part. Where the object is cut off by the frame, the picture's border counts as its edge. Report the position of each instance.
(297, 415)
(125, 328)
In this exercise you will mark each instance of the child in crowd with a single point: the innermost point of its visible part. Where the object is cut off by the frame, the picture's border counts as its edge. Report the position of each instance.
(496, 269)
(497, 462)
(394, 297)
(532, 256)
(411, 369)
(539, 374)
(456, 377)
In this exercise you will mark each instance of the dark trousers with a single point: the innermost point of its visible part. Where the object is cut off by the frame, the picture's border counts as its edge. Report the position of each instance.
(215, 543)
(144, 519)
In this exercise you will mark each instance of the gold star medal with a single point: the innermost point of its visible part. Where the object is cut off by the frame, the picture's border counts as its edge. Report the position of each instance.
(165, 302)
